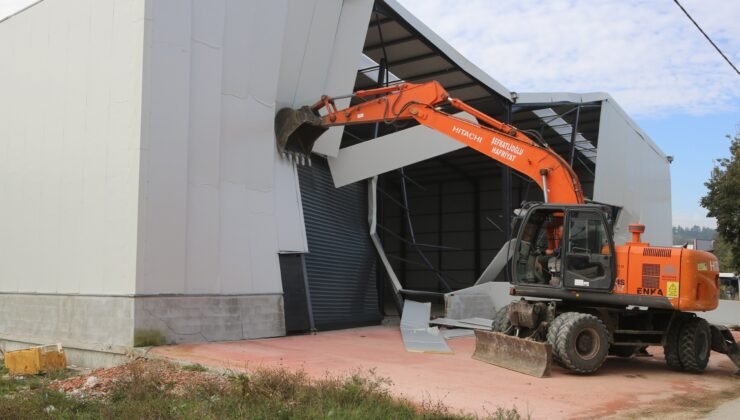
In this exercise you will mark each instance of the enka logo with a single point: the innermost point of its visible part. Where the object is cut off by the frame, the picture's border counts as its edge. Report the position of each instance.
(466, 133)
(649, 291)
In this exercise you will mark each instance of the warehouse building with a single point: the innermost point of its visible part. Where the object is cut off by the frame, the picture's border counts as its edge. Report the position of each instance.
(144, 200)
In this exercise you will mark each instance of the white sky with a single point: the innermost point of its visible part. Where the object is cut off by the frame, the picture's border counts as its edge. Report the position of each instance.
(645, 53)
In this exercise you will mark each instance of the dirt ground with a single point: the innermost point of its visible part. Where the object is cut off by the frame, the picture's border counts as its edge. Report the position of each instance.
(623, 388)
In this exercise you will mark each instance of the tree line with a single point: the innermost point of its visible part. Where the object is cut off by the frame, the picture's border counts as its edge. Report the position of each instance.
(722, 202)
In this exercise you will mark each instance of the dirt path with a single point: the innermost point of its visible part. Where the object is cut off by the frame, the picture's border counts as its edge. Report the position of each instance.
(623, 388)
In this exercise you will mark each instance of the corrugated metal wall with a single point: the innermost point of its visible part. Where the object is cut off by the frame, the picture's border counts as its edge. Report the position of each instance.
(341, 261)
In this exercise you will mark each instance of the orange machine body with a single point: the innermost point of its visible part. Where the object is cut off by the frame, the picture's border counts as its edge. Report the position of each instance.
(688, 278)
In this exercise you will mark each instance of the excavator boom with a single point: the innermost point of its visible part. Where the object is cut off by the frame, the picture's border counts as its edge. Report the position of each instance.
(298, 129)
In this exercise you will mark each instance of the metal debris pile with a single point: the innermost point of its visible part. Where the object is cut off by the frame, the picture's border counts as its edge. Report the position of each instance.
(418, 336)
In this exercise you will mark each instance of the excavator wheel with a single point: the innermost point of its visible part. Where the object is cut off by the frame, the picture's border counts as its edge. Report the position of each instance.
(580, 342)
(502, 324)
(552, 332)
(501, 321)
(671, 348)
(694, 345)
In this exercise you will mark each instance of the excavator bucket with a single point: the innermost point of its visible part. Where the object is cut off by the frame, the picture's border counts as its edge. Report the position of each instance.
(296, 130)
(518, 354)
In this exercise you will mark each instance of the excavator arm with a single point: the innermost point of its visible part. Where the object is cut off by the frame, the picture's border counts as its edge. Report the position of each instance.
(297, 130)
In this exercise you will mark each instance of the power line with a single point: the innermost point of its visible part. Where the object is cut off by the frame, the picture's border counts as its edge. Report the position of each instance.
(707, 37)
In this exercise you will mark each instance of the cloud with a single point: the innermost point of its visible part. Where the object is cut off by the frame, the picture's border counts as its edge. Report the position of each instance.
(646, 54)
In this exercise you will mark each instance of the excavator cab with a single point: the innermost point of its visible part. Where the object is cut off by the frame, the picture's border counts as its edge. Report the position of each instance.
(568, 247)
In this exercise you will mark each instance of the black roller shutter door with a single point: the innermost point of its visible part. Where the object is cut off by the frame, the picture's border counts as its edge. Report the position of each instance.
(341, 261)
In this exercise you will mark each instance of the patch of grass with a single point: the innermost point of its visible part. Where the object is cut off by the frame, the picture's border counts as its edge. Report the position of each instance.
(13, 384)
(147, 391)
(195, 368)
(10, 385)
(504, 414)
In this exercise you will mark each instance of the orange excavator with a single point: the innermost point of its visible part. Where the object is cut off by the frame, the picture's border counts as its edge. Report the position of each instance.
(592, 297)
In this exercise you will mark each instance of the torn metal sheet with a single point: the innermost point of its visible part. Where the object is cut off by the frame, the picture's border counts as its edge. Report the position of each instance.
(372, 217)
(471, 323)
(483, 322)
(417, 336)
(495, 269)
(456, 333)
(390, 152)
(478, 301)
(341, 73)
(474, 301)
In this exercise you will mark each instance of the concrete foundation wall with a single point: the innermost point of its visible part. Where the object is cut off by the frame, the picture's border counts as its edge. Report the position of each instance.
(95, 323)
(102, 330)
(188, 319)
(70, 101)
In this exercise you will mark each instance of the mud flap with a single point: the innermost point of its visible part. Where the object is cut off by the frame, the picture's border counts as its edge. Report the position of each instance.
(296, 130)
(723, 342)
(514, 353)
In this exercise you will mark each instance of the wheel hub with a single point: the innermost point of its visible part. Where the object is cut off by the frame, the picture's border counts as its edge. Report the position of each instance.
(587, 344)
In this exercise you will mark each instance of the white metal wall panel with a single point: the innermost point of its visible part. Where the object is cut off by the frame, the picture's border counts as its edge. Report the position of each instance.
(204, 154)
(71, 103)
(341, 74)
(164, 140)
(631, 173)
(318, 57)
(207, 169)
(217, 202)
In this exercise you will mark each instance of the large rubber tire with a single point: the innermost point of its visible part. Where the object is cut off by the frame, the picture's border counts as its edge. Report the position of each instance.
(501, 321)
(695, 344)
(552, 332)
(671, 348)
(580, 343)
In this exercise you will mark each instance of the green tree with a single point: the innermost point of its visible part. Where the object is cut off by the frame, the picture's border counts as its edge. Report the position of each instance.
(724, 255)
(723, 200)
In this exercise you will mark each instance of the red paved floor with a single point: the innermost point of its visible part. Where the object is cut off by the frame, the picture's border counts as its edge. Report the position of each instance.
(459, 381)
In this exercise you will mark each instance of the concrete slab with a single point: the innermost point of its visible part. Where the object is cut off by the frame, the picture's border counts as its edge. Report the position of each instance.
(461, 382)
